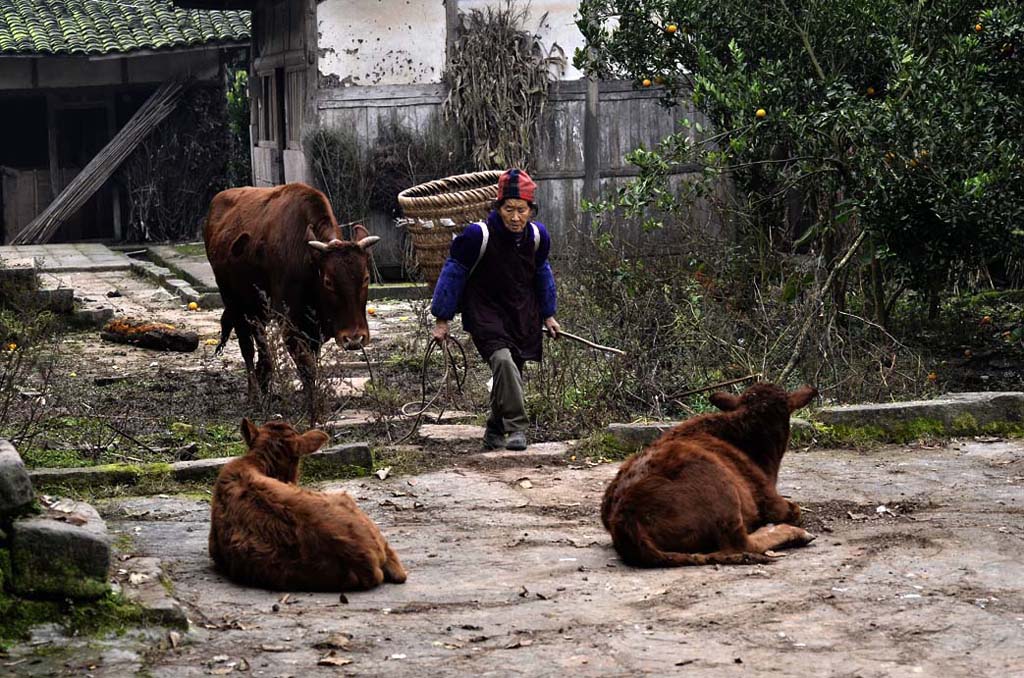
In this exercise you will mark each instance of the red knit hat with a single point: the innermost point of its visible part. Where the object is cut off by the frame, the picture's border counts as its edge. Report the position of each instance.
(515, 183)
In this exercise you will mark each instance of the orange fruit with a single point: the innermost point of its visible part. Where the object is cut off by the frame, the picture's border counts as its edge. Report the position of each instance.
(193, 306)
(932, 377)
(371, 310)
(987, 320)
(671, 28)
(646, 82)
(978, 28)
(871, 91)
(760, 113)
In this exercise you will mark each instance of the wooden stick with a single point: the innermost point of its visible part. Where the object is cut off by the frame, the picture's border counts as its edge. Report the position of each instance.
(599, 347)
(718, 385)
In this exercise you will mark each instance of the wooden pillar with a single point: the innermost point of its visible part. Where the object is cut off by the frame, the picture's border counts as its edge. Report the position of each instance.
(451, 16)
(51, 127)
(591, 146)
(115, 188)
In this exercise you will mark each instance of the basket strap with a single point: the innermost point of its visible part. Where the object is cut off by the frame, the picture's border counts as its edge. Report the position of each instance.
(486, 235)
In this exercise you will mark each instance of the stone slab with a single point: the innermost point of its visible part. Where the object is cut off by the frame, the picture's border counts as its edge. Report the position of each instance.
(15, 487)
(964, 412)
(444, 432)
(331, 461)
(64, 552)
(637, 435)
(142, 582)
(69, 258)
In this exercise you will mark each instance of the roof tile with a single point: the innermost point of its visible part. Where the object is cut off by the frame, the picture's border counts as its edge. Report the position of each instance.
(108, 26)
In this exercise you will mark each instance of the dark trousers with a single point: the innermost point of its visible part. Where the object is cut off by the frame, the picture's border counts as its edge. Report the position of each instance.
(508, 410)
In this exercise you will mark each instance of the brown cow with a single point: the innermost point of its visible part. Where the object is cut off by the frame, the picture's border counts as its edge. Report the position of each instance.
(267, 531)
(280, 250)
(704, 492)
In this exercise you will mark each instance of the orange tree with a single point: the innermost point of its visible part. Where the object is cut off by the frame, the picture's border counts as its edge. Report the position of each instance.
(892, 126)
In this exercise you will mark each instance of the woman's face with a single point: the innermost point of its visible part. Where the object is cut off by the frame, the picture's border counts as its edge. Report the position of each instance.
(515, 214)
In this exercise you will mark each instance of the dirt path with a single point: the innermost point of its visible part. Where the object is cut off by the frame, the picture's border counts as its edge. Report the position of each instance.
(507, 580)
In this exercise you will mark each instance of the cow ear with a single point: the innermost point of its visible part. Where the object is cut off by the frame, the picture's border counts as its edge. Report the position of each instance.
(311, 441)
(249, 432)
(726, 402)
(800, 397)
(359, 232)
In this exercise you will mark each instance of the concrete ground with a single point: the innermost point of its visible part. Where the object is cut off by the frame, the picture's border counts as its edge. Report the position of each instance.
(918, 570)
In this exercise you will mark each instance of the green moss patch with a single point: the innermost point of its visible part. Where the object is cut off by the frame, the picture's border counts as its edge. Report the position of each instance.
(106, 615)
(839, 435)
(603, 446)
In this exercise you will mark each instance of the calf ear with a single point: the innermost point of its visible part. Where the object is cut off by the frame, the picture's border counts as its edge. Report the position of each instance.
(726, 402)
(800, 397)
(249, 432)
(311, 441)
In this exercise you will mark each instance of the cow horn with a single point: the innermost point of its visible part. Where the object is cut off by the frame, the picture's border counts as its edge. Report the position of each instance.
(318, 246)
(368, 242)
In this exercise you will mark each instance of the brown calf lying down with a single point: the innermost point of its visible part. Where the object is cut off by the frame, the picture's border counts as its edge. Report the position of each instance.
(705, 492)
(267, 531)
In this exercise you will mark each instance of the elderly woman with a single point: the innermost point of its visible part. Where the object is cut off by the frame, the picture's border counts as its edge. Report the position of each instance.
(497, 275)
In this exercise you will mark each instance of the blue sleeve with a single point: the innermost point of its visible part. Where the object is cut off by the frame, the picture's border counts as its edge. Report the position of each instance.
(452, 281)
(544, 281)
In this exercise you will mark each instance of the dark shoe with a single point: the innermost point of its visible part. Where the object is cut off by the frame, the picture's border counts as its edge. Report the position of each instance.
(493, 440)
(516, 441)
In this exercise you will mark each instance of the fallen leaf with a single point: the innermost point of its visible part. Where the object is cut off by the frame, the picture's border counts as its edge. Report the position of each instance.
(222, 670)
(174, 638)
(519, 643)
(274, 648)
(525, 484)
(856, 516)
(217, 659)
(383, 472)
(397, 656)
(333, 660)
(523, 592)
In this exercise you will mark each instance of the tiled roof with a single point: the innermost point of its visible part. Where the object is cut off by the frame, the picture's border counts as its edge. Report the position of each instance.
(79, 27)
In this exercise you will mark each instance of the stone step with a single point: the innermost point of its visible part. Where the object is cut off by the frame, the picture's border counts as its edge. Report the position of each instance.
(65, 552)
(633, 436)
(337, 461)
(142, 582)
(15, 486)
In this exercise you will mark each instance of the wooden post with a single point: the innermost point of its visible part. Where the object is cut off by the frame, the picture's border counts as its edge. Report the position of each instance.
(51, 126)
(591, 145)
(115, 188)
(451, 16)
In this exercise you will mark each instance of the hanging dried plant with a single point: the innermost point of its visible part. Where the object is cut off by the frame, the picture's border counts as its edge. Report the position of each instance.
(498, 76)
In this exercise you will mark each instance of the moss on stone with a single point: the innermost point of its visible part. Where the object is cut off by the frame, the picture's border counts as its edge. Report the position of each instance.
(315, 470)
(60, 577)
(111, 613)
(905, 432)
(606, 446)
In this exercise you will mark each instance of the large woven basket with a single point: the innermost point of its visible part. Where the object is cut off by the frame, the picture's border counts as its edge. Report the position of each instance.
(437, 211)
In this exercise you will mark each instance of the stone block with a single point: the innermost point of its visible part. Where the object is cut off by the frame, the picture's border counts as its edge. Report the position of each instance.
(65, 552)
(953, 413)
(15, 487)
(142, 583)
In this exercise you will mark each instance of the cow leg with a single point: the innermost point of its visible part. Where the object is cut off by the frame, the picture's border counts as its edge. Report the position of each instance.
(778, 509)
(264, 364)
(393, 570)
(303, 350)
(245, 344)
(772, 537)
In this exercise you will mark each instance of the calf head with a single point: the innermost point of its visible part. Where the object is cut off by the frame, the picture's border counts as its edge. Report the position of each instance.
(344, 285)
(277, 448)
(759, 417)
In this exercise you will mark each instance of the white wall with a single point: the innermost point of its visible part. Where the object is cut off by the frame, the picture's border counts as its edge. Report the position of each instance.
(559, 26)
(374, 42)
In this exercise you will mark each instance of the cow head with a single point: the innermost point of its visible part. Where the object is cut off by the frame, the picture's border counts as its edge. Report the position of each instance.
(760, 418)
(344, 284)
(277, 447)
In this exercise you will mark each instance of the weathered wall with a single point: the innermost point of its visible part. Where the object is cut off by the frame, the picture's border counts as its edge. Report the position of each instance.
(367, 42)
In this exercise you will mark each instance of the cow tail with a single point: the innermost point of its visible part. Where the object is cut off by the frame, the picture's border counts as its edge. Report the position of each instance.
(648, 554)
(226, 325)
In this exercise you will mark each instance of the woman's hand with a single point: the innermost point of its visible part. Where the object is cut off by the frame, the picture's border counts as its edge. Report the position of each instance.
(552, 326)
(440, 331)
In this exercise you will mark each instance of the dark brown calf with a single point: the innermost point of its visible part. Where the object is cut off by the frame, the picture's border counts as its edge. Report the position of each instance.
(705, 492)
(267, 531)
